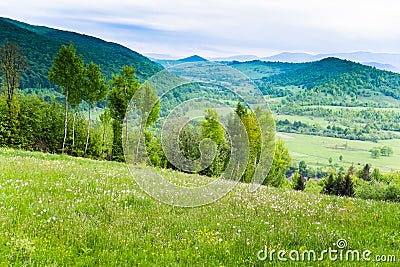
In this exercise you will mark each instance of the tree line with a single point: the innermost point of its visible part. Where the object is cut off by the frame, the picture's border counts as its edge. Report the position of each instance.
(29, 122)
(364, 183)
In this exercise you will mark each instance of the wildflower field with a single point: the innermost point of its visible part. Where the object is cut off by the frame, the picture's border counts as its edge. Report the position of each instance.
(61, 211)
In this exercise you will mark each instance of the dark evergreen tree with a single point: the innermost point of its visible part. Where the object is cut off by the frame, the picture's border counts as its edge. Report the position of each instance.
(348, 186)
(329, 184)
(338, 186)
(366, 174)
(240, 110)
(303, 168)
(300, 185)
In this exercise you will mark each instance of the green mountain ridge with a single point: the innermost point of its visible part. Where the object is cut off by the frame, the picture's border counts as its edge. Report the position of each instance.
(40, 44)
(329, 81)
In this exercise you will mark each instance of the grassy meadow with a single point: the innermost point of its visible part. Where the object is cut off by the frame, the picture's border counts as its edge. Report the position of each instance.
(61, 211)
(316, 151)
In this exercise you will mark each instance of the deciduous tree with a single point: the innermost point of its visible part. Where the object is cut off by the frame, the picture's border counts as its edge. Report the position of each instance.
(94, 89)
(124, 86)
(67, 72)
(12, 63)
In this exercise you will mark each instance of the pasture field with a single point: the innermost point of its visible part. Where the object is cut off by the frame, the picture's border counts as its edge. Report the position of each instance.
(316, 151)
(61, 211)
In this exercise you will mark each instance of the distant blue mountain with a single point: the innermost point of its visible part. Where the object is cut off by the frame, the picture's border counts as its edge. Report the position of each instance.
(240, 58)
(292, 57)
(381, 66)
(194, 58)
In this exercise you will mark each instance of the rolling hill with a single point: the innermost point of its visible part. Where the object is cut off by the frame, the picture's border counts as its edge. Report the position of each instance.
(384, 61)
(40, 45)
(329, 81)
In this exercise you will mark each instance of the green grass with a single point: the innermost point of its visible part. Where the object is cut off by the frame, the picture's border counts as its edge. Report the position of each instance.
(316, 150)
(62, 211)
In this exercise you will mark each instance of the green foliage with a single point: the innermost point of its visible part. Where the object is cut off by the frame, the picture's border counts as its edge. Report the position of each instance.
(117, 150)
(253, 131)
(94, 90)
(313, 186)
(281, 163)
(146, 102)
(382, 187)
(189, 141)
(94, 85)
(105, 119)
(348, 123)
(155, 151)
(68, 72)
(12, 65)
(365, 173)
(384, 151)
(338, 185)
(303, 168)
(376, 175)
(348, 186)
(329, 184)
(375, 152)
(330, 81)
(124, 86)
(211, 128)
(298, 182)
(39, 127)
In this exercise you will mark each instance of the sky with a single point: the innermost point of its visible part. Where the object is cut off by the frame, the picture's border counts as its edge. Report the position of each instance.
(217, 28)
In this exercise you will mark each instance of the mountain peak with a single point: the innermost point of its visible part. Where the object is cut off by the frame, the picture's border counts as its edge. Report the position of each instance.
(194, 58)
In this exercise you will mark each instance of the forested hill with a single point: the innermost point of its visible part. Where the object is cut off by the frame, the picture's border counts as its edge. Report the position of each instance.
(40, 45)
(329, 81)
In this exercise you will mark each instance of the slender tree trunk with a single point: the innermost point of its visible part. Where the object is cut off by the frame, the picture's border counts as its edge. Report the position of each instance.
(126, 129)
(117, 150)
(73, 128)
(66, 120)
(88, 130)
(104, 138)
(138, 143)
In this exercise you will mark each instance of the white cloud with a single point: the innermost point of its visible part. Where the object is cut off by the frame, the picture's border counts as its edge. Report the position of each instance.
(239, 26)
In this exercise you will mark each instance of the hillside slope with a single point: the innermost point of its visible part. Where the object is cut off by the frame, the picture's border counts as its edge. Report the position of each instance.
(57, 210)
(328, 81)
(40, 45)
(385, 61)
